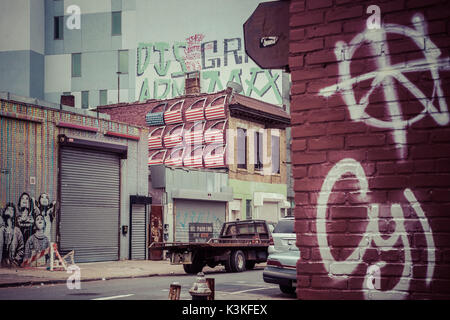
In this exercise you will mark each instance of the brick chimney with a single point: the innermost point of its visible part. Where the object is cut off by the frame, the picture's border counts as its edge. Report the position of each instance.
(68, 100)
(192, 82)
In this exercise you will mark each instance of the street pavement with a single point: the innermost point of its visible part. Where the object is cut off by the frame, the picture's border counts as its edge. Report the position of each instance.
(95, 271)
(247, 285)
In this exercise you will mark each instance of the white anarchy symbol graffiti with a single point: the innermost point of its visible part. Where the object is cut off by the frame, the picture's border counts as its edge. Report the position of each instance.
(386, 73)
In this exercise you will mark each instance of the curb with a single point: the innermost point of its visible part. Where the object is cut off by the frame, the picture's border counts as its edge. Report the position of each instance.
(58, 281)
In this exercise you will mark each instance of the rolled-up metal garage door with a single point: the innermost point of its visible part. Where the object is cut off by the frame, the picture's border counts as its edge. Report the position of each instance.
(138, 232)
(90, 195)
(208, 215)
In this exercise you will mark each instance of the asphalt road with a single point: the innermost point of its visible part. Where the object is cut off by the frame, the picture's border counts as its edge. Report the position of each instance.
(248, 285)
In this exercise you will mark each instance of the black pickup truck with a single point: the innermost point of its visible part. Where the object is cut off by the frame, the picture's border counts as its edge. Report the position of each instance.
(240, 246)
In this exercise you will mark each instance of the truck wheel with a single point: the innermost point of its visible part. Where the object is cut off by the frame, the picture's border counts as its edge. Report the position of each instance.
(197, 266)
(227, 264)
(249, 265)
(193, 268)
(287, 289)
(238, 261)
(187, 268)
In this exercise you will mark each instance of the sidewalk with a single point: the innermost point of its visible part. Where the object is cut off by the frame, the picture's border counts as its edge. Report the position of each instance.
(13, 277)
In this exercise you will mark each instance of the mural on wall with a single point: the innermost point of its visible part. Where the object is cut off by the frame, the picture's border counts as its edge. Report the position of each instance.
(26, 230)
(176, 138)
(410, 211)
(26, 207)
(47, 210)
(218, 61)
(38, 241)
(11, 239)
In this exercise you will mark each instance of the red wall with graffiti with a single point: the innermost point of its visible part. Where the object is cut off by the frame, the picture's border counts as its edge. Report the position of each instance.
(371, 148)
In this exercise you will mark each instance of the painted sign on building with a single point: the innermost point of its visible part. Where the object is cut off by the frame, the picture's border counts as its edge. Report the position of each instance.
(161, 68)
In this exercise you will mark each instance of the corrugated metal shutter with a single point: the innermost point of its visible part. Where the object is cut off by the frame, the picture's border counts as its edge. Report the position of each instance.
(138, 232)
(197, 211)
(90, 194)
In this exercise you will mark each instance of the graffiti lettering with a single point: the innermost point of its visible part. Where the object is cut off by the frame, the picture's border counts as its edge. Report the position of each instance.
(226, 51)
(214, 80)
(215, 62)
(386, 74)
(162, 66)
(171, 62)
(180, 59)
(372, 235)
(271, 83)
(146, 47)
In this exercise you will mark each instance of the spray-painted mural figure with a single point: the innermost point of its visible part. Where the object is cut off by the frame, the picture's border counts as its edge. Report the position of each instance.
(25, 230)
(47, 210)
(25, 219)
(38, 241)
(11, 239)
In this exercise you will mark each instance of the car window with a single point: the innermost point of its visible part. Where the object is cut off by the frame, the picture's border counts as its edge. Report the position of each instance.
(284, 226)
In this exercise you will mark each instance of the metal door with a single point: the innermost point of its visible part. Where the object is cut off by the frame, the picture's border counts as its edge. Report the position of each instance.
(156, 231)
(90, 196)
(190, 214)
(138, 231)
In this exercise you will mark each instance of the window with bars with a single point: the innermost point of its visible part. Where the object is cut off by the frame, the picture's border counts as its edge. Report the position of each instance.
(275, 154)
(242, 148)
(248, 209)
(258, 150)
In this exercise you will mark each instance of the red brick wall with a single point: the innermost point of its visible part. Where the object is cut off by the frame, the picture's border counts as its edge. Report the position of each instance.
(371, 149)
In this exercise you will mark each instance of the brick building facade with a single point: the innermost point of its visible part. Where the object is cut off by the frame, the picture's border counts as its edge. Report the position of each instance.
(370, 148)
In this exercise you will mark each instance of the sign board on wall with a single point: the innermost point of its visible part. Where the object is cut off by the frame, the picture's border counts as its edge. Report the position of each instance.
(200, 232)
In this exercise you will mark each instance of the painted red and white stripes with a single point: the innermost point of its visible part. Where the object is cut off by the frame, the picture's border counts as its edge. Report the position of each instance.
(214, 136)
(215, 112)
(173, 117)
(214, 161)
(173, 140)
(194, 115)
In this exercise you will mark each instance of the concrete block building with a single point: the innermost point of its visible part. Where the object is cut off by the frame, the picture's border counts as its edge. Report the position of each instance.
(83, 174)
(223, 150)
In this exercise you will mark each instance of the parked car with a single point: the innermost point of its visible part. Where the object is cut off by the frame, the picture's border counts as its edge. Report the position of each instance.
(281, 270)
(284, 236)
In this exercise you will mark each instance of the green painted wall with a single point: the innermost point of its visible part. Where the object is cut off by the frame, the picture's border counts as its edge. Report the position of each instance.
(245, 190)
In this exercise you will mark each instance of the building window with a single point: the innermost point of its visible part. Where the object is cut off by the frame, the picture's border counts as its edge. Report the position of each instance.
(258, 150)
(58, 28)
(248, 209)
(103, 97)
(116, 23)
(123, 61)
(275, 154)
(84, 99)
(76, 64)
(242, 148)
